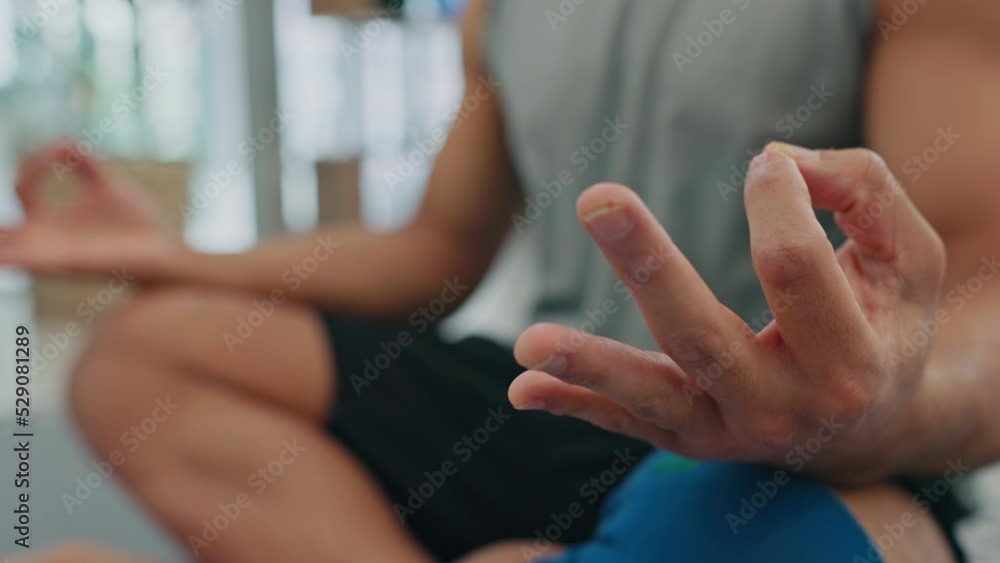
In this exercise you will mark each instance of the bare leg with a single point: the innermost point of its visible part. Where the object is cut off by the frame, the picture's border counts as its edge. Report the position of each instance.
(79, 553)
(509, 552)
(874, 507)
(240, 470)
(234, 414)
(878, 507)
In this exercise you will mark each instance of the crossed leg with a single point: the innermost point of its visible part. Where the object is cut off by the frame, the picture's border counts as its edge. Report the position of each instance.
(246, 432)
(236, 415)
(874, 507)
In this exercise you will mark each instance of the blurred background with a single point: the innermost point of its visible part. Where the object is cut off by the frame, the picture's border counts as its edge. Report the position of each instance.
(245, 118)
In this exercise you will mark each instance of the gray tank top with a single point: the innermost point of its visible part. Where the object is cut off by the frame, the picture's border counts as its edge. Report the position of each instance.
(672, 98)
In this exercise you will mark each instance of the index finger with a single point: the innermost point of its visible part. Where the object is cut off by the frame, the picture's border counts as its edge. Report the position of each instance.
(682, 313)
(42, 163)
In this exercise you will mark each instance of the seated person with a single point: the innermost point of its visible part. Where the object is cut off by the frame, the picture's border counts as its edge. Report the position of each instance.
(626, 92)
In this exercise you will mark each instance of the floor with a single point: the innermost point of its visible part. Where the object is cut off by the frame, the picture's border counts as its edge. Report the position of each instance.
(61, 467)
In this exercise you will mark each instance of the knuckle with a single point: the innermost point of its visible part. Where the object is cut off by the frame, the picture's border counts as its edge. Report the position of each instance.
(659, 409)
(649, 409)
(620, 424)
(848, 399)
(850, 389)
(773, 431)
(698, 347)
(767, 182)
(788, 259)
(875, 171)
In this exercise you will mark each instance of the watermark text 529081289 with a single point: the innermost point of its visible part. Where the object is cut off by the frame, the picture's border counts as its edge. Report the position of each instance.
(22, 437)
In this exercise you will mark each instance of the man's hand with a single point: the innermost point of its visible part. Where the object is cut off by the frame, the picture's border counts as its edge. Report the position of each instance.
(838, 367)
(107, 225)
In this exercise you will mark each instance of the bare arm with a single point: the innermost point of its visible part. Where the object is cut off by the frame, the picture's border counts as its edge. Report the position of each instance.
(934, 113)
(455, 236)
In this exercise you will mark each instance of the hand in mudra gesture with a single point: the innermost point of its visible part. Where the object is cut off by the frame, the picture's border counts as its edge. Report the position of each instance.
(833, 361)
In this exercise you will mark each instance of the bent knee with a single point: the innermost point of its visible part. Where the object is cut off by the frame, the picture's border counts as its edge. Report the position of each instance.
(151, 319)
(900, 529)
(79, 552)
(167, 338)
(127, 350)
(512, 551)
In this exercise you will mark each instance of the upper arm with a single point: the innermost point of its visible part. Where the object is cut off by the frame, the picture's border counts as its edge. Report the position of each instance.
(933, 112)
(472, 191)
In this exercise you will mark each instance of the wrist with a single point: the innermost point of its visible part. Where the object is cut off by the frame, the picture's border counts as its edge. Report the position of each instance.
(933, 429)
(165, 264)
(892, 445)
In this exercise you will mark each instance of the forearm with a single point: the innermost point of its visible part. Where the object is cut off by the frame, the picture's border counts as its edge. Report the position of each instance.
(955, 418)
(346, 267)
(951, 49)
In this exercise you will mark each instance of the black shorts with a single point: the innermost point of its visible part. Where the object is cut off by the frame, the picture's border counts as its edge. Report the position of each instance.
(432, 422)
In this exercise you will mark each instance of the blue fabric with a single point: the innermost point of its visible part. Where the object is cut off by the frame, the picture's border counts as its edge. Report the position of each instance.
(674, 510)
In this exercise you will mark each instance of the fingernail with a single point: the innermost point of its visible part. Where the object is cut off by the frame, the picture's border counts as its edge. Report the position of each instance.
(609, 223)
(760, 162)
(555, 365)
(795, 152)
(536, 405)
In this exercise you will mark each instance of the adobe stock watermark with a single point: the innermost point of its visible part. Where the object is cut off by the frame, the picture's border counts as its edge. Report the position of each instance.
(131, 440)
(29, 27)
(705, 378)
(918, 165)
(293, 278)
(591, 493)
(220, 180)
(914, 168)
(795, 120)
(923, 501)
(257, 484)
(464, 449)
(581, 159)
(225, 7)
(623, 288)
(55, 343)
(797, 458)
(376, 22)
(566, 10)
(697, 44)
(121, 110)
(787, 126)
(420, 321)
(957, 298)
(901, 14)
(429, 146)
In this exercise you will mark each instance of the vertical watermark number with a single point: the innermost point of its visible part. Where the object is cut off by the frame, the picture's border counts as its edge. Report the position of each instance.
(22, 437)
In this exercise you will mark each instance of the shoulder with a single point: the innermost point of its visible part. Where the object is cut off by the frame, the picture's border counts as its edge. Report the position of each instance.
(473, 30)
(976, 20)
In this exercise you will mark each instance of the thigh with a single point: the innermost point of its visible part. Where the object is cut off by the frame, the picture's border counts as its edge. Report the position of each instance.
(899, 524)
(243, 471)
(719, 513)
(82, 553)
(275, 352)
